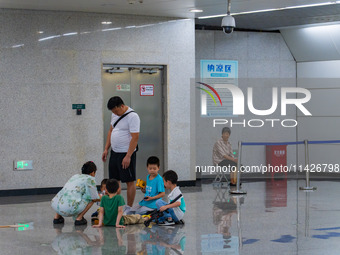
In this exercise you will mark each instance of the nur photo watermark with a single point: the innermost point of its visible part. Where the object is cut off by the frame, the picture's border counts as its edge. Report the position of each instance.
(234, 104)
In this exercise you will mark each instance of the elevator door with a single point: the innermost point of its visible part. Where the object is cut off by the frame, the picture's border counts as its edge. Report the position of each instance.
(140, 87)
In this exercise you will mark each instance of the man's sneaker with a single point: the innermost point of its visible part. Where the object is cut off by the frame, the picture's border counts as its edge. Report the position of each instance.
(166, 223)
(126, 210)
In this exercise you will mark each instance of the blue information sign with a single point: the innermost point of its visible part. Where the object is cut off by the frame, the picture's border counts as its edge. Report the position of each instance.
(219, 69)
(216, 99)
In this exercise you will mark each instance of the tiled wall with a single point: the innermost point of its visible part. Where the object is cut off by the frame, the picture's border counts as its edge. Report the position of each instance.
(42, 75)
(321, 78)
(264, 61)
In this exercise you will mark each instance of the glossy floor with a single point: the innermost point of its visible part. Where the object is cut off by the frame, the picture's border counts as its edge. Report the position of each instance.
(273, 218)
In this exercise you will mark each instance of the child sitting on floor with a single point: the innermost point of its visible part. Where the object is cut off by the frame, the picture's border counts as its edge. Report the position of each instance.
(94, 216)
(154, 189)
(111, 208)
(173, 212)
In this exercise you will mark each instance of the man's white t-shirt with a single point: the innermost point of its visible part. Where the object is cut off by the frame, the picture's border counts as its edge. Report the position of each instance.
(179, 211)
(120, 136)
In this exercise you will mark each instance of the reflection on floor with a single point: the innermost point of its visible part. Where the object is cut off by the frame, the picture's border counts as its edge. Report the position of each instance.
(273, 217)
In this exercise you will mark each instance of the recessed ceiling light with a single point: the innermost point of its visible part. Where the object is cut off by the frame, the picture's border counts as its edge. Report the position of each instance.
(72, 33)
(18, 45)
(106, 22)
(276, 9)
(40, 32)
(196, 10)
(111, 29)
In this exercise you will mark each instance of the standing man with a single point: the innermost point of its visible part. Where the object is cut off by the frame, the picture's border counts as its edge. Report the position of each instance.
(122, 138)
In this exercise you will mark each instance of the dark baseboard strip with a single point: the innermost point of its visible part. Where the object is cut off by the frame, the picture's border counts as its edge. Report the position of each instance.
(186, 183)
(29, 192)
(192, 183)
(46, 191)
(254, 177)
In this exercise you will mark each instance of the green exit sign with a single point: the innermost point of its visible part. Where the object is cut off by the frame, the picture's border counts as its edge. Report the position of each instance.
(25, 226)
(23, 165)
(78, 106)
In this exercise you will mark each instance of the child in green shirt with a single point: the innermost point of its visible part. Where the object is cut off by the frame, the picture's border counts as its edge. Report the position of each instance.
(111, 208)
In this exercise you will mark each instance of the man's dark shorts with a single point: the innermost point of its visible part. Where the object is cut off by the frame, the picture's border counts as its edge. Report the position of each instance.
(116, 170)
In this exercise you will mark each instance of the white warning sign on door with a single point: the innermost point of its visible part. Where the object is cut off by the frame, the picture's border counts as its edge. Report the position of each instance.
(123, 87)
(146, 89)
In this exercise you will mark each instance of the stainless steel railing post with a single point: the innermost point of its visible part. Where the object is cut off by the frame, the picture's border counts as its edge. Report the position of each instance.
(238, 191)
(307, 187)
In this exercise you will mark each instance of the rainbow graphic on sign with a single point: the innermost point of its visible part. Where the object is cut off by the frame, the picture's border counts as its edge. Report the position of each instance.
(209, 93)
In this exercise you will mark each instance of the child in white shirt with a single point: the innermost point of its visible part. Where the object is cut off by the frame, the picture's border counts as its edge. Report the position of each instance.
(173, 211)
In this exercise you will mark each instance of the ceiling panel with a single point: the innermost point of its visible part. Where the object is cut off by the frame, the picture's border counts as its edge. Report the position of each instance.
(280, 19)
(180, 9)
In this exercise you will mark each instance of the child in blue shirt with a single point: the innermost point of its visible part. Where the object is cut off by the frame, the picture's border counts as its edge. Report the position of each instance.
(154, 189)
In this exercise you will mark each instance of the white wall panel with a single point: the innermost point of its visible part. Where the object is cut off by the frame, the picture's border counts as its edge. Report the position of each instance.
(323, 102)
(322, 79)
(319, 129)
(319, 69)
(40, 80)
(264, 61)
(317, 43)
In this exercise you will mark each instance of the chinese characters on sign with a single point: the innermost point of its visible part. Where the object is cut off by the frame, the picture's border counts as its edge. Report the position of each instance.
(221, 70)
(123, 87)
(279, 153)
(217, 73)
(146, 90)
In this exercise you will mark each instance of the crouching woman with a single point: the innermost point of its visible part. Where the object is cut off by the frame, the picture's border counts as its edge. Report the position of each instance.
(77, 196)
